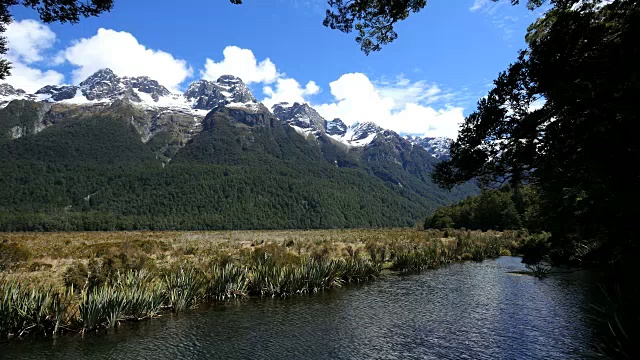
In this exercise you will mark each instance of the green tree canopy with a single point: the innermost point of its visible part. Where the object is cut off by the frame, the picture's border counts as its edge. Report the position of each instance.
(562, 117)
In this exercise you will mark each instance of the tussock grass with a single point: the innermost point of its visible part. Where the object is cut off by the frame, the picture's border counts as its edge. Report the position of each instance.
(99, 280)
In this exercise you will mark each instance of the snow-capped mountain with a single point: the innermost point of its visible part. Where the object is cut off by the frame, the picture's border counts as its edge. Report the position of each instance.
(104, 87)
(438, 147)
(7, 90)
(205, 95)
(306, 121)
(158, 110)
(360, 134)
(8, 93)
(301, 117)
(150, 107)
(336, 127)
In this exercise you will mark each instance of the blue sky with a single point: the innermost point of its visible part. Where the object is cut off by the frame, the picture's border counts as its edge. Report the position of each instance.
(445, 58)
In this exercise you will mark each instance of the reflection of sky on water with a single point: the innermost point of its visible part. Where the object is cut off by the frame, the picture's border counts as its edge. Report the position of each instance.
(464, 311)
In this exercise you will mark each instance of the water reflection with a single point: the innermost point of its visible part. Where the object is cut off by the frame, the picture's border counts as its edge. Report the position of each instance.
(464, 311)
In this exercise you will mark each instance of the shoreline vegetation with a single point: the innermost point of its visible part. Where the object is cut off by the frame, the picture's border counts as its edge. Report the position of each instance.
(60, 283)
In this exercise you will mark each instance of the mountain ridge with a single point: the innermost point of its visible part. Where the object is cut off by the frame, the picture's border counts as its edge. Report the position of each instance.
(201, 96)
(115, 157)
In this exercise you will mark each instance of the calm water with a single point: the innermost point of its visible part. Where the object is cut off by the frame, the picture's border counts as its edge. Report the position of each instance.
(464, 311)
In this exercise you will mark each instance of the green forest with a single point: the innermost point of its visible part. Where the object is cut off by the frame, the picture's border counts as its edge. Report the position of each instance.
(94, 173)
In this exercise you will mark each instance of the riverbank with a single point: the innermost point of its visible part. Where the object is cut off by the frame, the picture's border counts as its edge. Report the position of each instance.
(55, 283)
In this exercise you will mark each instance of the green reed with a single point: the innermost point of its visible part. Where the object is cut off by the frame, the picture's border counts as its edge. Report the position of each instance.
(184, 288)
(228, 281)
(266, 269)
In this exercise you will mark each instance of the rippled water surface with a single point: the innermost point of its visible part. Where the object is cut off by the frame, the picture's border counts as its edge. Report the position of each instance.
(464, 311)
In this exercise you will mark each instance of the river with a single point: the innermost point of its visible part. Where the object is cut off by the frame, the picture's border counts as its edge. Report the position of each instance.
(464, 311)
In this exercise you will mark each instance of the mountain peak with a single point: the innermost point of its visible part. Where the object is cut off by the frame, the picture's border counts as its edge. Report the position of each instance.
(105, 74)
(102, 84)
(229, 79)
(336, 127)
(228, 89)
(8, 90)
(438, 147)
(283, 104)
(145, 84)
(303, 117)
(106, 71)
(366, 126)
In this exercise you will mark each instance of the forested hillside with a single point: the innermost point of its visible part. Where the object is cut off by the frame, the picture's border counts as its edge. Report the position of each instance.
(244, 170)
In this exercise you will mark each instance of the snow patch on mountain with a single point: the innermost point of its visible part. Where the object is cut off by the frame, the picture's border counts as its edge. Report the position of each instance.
(438, 147)
(8, 93)
(336, 127)
(250, 107)
(305, 120)
(358, 134)
(104, 86)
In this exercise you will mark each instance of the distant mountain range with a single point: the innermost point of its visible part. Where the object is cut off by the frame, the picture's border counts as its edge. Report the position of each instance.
(125, 152)
(106, 87)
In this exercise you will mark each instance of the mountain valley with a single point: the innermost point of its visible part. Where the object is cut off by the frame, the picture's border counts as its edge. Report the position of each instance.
(126, 153)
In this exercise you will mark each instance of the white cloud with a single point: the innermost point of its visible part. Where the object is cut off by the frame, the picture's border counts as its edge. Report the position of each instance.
(121, 52)
(485, 6)
(289, 90)
(28, 41)
(243, 64)
(404, 91)
(357, 99)
(503, 18)
(400, 105)
(30, 79)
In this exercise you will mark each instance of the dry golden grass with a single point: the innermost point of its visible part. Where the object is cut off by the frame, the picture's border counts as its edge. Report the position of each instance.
(60, 250)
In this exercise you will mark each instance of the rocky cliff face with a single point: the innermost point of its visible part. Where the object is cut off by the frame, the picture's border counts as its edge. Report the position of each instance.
(336, 127)
(167, 120)
(301, 116)
(308, 122)
(205, 95)
(8, 93)
(154, 110)
(58, 93)
(438, 147)
(8, 90)
(105, 85)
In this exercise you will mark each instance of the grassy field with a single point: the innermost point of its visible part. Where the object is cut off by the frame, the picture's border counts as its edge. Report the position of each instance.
(79, 281)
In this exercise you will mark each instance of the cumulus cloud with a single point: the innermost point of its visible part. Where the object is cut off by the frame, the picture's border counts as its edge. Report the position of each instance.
(289, 90)
(243, 64)
(121, 52)
(28, 42)
(358, 99)
(278, 87)
(28, 39)
(31, 79)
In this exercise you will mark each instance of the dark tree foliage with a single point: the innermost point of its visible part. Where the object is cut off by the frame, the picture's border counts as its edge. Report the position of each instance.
(580, 147)
(491, 210)
(50, 11)
(374, 20)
